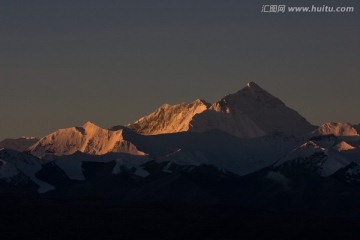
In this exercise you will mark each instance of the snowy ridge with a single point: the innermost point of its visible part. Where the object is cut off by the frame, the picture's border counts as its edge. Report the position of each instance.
(169, 119)
(337, 129)
(72, 165)
(19, 168)
(325, 155)
(251, 112)
(89, 139)
(246, 148)
(218, 149)
(15, 165)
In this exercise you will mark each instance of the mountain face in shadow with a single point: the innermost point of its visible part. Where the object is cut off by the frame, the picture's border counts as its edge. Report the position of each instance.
(248, 150)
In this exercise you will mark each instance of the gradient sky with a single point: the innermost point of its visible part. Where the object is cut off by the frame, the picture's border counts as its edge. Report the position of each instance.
(65, 62)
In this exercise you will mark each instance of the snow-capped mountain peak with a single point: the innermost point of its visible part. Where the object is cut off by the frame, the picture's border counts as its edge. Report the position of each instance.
(254, 89)
(250, 112)
(253, 85)
(89, 125)
(337, 129)
(249, 99)
(343, 146)
(169, 118)
(89, 138)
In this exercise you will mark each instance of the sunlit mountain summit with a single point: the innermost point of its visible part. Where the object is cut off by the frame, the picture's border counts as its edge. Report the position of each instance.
(194, 153)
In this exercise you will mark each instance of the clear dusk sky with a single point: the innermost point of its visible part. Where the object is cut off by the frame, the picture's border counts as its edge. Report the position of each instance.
(63, 63)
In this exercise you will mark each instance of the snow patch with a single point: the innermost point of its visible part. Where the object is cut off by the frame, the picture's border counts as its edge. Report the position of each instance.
(30, 169)
(72, 168)
(131, 164)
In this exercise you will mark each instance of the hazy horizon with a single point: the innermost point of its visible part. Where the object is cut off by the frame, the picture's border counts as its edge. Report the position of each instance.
(112, 62)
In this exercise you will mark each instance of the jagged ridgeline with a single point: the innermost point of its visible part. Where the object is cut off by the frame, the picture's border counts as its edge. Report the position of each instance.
(248, 148)
(250, 112)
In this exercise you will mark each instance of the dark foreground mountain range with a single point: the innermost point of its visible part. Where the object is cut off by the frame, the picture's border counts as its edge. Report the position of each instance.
(247, 151)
